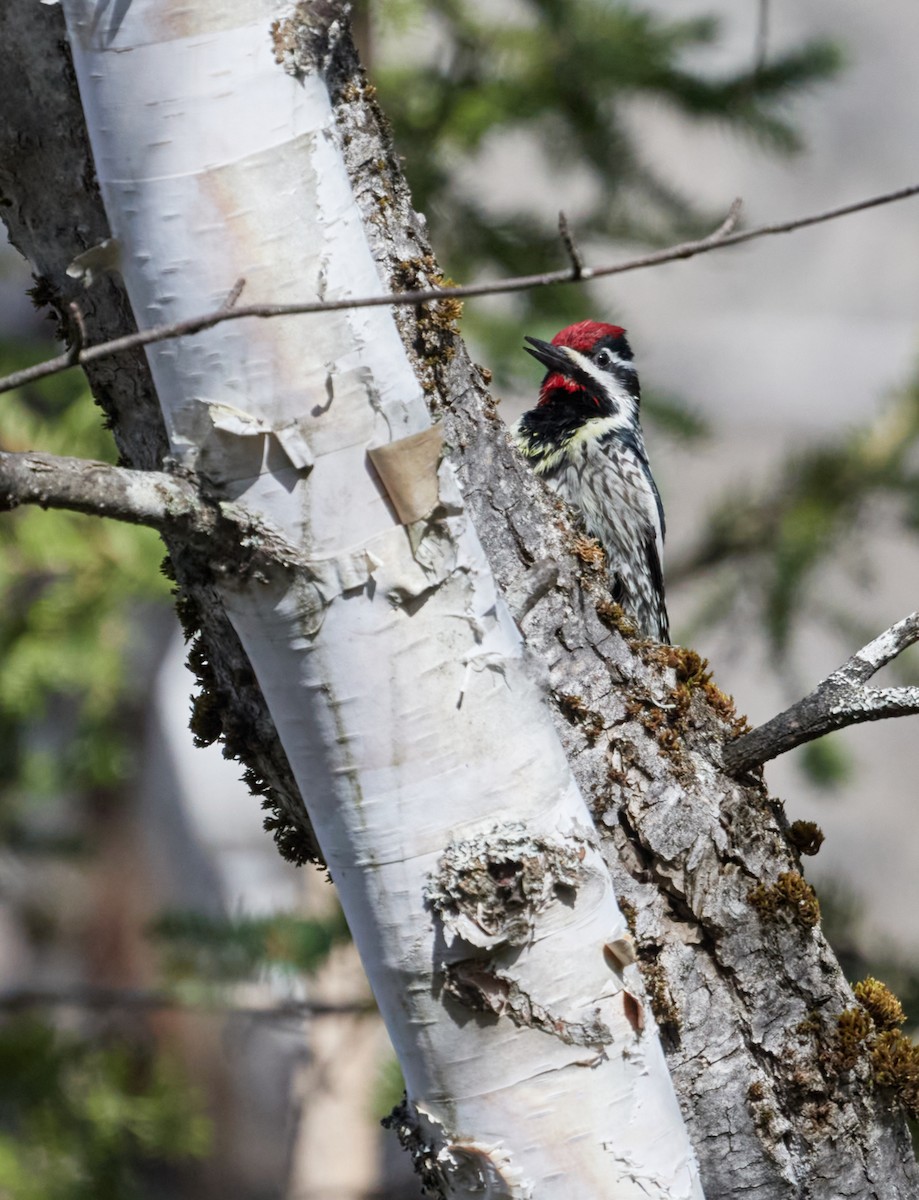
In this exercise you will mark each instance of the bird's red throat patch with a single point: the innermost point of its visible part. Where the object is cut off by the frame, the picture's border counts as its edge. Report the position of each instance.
(554, 383)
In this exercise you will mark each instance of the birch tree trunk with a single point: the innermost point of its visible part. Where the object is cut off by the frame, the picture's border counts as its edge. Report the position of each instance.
(354, 650)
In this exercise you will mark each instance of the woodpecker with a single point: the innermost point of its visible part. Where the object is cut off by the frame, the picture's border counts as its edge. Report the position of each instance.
(584, 438)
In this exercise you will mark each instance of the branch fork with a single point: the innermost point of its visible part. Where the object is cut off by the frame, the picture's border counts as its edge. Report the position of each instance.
(844, 698)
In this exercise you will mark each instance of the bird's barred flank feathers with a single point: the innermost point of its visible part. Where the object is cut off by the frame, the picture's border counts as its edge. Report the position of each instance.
(584, 438)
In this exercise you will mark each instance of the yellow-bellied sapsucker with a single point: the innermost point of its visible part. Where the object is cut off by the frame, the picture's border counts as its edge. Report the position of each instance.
(584, 438)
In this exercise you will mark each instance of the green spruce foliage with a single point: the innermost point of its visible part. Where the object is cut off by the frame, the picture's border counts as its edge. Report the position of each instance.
(566, 77)
(196, 946)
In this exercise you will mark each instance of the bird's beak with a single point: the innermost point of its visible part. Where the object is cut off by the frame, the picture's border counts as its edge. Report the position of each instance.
(553, 358)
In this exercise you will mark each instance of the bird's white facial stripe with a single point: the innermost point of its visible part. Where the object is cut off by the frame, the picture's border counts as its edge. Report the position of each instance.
(609, 386)
(625, 363)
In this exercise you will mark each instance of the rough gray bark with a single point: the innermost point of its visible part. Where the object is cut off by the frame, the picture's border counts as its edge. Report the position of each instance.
(747, 991)
(745, 988)
(138, 497)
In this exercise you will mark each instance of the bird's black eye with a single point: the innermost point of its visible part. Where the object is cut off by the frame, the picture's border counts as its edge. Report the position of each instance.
(603, 358)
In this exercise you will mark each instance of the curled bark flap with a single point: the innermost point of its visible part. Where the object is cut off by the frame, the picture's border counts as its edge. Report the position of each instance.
(408, 471)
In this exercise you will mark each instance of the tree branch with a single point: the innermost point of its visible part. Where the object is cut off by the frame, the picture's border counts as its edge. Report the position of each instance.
(576, 273)
(843, 698)
(101, 490)
(571, 247)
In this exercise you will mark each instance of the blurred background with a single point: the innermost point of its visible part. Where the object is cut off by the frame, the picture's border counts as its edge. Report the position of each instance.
(181, 1013)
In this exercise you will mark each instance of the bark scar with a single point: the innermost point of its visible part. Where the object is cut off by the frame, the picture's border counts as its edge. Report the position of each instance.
(481, 987)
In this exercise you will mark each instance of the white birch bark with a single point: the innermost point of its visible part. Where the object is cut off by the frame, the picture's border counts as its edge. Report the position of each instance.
(464, 855)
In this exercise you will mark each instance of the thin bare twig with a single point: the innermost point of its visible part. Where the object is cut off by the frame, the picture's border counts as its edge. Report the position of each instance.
(577, 261)
(728, 225)
(520, 283)
(843, 698)
(79, 333)
(234, 293)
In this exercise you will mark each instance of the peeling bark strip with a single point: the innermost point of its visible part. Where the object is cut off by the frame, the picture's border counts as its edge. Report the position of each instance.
(393, 672)
(408, 469)
(485, 989)
(451, 1167)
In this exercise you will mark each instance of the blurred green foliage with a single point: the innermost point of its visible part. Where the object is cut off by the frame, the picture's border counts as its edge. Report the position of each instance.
(78, 1119)
(766, 548)
(196, 946)
(80, 1122)
(71, 591)
(566, 75)
(389, 1087)
(825, 762)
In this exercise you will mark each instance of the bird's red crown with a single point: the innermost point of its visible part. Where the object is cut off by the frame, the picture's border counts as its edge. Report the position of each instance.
(585, 335)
